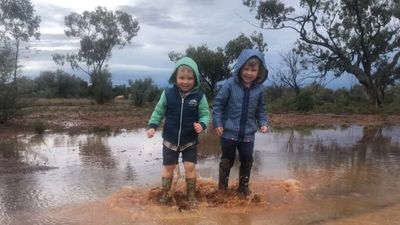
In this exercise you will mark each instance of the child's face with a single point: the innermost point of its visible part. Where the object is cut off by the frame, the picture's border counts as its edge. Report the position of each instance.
(185, 79)
(249, 74)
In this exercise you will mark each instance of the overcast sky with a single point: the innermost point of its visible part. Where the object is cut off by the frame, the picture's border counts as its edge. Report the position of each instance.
(165, 26)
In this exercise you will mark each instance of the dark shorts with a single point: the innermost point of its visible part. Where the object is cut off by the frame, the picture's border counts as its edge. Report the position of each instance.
(170, 157)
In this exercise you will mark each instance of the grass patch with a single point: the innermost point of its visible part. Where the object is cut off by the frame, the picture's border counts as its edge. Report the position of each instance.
(38, 126)
(100, 128)
(63, 102)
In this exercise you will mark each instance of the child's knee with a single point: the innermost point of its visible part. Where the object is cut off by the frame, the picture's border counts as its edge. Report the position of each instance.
(189, 166)
(169, 168)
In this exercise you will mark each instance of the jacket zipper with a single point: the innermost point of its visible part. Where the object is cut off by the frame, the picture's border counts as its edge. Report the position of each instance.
(180, 121)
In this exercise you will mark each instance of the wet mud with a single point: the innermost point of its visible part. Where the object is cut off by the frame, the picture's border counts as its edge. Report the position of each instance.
(264, 195)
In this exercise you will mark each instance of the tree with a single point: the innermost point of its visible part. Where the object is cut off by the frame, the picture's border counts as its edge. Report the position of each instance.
(356, 37)
(215, 65)
(17, 24)
(101, 86)
(20, 24)
(292, 71)
(234, 47)
(7, 93)
(99, 32)
(142, 90)
(60, 84)
(212, 64)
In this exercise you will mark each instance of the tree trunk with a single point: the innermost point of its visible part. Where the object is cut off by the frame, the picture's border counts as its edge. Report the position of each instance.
(16, 65)
(375, 96)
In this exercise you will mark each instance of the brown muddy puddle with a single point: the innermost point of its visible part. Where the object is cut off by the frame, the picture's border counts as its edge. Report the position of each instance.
(339, 175)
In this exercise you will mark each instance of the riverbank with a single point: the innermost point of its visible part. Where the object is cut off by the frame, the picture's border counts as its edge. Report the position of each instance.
(85, 116)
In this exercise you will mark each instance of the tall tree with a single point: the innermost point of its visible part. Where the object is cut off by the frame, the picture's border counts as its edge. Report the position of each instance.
(7, 101)
(292, 71)
(357, 37)
(19, 24)
(99, 32)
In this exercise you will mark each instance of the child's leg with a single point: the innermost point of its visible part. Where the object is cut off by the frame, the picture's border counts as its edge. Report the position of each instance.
(228, 148)
(168, 171)
(166, 183)
(189, 158)
(246, 162)
(170, 159)
(190, 170)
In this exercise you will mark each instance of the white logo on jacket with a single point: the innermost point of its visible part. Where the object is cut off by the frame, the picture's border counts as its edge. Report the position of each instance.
(193, 102)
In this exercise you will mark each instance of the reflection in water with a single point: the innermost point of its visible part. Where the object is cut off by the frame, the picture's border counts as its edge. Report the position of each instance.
(95, 152)
(346, 173)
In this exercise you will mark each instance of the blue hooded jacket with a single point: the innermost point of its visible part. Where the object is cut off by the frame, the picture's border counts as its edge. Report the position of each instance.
(240, 110)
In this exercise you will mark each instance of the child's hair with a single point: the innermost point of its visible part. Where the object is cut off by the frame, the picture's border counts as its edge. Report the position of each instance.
(185, 67)
(255, 61)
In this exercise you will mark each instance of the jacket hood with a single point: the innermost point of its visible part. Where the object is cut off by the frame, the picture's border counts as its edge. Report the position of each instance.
(188, 62)
(245, 55)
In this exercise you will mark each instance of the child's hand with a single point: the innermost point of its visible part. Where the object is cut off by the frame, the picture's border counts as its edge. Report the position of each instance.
(264, 129)
(151, 132)
(219, 131)
(197, 127)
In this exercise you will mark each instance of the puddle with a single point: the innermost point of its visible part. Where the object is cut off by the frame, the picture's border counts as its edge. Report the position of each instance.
(340, 175)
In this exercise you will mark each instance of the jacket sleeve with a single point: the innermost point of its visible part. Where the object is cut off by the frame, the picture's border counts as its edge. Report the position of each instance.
(261, 114)
(204, 112)
(219, 105)
(159, 112)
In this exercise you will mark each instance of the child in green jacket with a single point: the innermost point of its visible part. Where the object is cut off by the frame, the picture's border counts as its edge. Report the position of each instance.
(185, 109)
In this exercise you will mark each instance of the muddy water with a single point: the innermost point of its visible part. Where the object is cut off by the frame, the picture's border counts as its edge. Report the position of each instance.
(339, 175)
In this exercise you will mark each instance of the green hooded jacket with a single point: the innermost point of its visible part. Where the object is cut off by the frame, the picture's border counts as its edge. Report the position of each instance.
(159, 112)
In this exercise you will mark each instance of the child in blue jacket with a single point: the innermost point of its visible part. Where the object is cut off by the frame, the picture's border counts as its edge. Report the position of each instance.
(238, 111)
(185, 109)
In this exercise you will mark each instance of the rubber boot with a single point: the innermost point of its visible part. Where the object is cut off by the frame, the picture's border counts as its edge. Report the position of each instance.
(224, 170)
(166, 184)
(244, 177)
(191, 191)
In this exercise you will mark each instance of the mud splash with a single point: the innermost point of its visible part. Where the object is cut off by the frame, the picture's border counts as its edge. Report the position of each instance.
(265, 194)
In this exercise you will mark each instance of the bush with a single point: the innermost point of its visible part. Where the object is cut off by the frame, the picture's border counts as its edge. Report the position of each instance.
(143, 90)
(304, 101)
(38, 126)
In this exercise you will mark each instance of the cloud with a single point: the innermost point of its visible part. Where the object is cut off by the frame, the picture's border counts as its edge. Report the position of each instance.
(164, 26)
(153, 16)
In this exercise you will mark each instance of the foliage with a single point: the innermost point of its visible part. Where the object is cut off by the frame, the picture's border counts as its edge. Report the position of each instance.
(235, 46)
(7, 94)
(214, 65)
(99, 32)
(304, 101)
(39, 126)
(357, 37)
(120, 90)
(101, 86)
(318, 99)
(292, 71)
(18, 24)
(60, 84)
(143, 90)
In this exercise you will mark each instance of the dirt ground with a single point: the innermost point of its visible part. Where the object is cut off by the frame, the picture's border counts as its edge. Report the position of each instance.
(117, 116)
